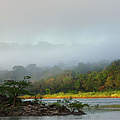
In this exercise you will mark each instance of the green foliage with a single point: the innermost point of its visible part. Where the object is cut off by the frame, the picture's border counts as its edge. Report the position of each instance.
(83, 77)
(72, 104)
(47, 91)
(12, 89)
(93, 81)
(76, 105)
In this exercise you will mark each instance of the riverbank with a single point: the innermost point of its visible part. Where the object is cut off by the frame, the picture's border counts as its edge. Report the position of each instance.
(80, 95)
(68, 97)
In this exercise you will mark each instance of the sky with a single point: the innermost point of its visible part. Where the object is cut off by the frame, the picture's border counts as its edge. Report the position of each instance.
(49, 32)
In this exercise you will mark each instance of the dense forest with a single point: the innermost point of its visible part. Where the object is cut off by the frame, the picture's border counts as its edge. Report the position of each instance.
(84, 77)
(88, 80)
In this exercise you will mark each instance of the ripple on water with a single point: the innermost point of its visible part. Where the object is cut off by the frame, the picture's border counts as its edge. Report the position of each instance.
(99, 115)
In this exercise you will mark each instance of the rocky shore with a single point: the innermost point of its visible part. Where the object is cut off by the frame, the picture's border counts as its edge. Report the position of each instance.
(36, 109)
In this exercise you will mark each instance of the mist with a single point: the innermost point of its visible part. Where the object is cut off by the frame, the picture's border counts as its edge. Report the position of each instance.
(51, 32)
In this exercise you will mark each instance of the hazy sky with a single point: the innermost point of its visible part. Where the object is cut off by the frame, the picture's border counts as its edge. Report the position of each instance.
(54, 31)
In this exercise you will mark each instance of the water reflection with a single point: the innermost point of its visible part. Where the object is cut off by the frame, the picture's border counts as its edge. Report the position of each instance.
(99, 115)
(100, 101)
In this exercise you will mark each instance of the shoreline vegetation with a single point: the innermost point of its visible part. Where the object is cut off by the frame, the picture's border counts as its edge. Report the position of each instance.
(67, 97)
(80, 95)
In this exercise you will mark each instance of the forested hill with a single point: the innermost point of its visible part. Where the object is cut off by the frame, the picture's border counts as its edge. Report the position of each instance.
(74, 81)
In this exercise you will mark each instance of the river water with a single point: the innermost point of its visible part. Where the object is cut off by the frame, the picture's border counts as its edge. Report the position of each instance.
(90, 101)
(103, 114)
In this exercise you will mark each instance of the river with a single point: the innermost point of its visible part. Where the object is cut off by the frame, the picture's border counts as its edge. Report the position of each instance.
(103, 114)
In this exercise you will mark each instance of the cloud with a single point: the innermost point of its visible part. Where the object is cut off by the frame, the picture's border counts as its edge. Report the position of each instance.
(51, 31)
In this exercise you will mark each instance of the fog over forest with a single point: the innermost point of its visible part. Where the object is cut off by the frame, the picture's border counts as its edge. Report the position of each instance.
(51, 32)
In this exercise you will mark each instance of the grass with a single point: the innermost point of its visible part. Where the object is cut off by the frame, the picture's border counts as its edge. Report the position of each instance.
(105, 94)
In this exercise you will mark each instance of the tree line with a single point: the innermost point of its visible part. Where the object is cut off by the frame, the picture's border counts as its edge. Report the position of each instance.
(37, 73)
(74, 81)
